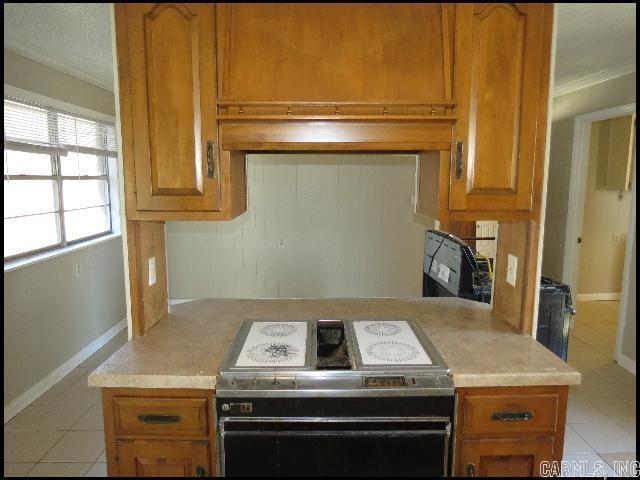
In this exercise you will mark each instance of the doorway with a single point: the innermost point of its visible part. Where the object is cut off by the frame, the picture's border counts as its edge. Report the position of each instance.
(601, 232)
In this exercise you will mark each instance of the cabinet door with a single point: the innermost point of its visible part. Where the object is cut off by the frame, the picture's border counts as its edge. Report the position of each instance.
(152, 458)
(504, 457)
(170, 75)
(501, 85)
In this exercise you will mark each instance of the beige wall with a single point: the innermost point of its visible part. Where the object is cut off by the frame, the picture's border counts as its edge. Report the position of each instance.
(346, 221)
(612, 93)
(35, 77)
(50, 314)
(605, 213)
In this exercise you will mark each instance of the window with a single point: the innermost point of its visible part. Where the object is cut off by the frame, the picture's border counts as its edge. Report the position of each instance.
(56, 178)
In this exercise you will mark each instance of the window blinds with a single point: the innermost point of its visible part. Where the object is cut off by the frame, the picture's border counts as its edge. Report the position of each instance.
(35, 128)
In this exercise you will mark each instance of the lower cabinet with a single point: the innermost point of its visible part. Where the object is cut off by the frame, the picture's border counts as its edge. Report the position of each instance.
(170, 458)
(159, 432)
(508, 431)
(505, 457)
(499, 431)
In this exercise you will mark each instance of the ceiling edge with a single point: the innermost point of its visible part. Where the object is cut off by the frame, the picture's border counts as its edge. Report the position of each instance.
(61, 67)
(594, 78)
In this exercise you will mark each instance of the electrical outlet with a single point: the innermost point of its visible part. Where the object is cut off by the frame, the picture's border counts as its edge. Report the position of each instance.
(281, 242)
(512, 269)
(152, 271)
(616, 239)
(77, 270)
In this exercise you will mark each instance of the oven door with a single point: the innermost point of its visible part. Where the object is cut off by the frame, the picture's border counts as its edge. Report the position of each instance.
(410, 446)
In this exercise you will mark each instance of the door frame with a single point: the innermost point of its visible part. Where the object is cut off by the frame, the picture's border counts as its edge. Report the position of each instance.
(578, 184)
(575, 214)
(627, 291)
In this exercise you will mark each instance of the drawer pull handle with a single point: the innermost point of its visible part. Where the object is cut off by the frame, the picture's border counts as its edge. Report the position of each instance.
(201, 471)
(512, 416)
(159, 419)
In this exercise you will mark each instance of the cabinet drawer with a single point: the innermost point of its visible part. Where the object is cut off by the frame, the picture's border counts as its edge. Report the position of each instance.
(498, 414)
(160, 416)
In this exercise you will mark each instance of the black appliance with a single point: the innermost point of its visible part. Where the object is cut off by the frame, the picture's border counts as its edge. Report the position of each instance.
(333, 398)
(451, 270)
(554, 312)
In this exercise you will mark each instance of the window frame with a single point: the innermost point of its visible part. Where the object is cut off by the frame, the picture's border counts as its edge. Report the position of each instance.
(56, 176)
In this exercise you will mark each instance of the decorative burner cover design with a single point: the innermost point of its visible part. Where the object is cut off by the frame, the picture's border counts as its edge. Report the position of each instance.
(382, 329)
(278, 330)
(391, 351)
(272, 352)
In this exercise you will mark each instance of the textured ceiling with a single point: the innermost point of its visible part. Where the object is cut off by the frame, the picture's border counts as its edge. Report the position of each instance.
(593, 37)
(76, 38)
(73, 37)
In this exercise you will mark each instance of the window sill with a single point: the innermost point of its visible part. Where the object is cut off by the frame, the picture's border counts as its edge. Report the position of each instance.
(41, 257)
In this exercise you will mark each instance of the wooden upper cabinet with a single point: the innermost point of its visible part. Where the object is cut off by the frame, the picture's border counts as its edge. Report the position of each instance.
(502, 53)
(167, 70)
(334, 52)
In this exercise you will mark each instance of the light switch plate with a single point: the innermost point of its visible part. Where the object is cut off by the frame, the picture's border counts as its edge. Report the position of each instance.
(512, 269)
(152, 271)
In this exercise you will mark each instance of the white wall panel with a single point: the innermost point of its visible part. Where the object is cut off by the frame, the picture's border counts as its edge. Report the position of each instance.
(346, 222)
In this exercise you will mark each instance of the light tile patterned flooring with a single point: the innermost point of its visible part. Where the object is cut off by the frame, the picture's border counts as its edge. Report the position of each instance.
(61, 433)
(601, 415)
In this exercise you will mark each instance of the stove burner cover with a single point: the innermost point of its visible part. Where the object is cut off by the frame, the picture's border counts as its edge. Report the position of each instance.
(272, 352)
(382, 329)
(392, 351)
(278, 330)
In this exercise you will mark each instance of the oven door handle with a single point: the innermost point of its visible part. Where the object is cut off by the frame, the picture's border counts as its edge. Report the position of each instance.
(334, 433)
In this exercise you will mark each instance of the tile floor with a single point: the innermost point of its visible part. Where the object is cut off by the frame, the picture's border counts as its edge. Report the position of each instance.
(61, 433)
(601, 415)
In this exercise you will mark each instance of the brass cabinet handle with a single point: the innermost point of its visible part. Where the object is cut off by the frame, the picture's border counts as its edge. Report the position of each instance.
(201, 471)
(211, 173)
(458, 154)
(512, 416)
(470, 470)
(158, 419)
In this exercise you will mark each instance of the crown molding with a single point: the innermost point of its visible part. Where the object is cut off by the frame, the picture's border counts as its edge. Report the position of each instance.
(56, 64)
(594, 78)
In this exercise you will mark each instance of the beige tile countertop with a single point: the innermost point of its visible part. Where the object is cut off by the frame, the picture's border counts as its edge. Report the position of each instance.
(185, 349)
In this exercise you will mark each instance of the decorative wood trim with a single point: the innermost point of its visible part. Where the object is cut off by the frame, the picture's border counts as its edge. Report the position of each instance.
(333, 118)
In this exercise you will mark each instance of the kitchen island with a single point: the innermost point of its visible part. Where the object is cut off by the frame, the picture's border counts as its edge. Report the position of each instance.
(174, 367)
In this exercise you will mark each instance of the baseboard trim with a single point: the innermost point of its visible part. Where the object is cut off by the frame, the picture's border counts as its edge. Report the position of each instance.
(626, 363)
(54, 377)
(176, 301)
(587, 297)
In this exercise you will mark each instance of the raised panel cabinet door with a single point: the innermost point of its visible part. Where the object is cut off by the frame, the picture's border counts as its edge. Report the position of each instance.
(171, 80)
(502, 53)
(171, 458)
(504, 457)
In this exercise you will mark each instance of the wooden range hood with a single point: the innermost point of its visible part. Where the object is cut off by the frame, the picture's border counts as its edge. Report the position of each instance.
(335, 77)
